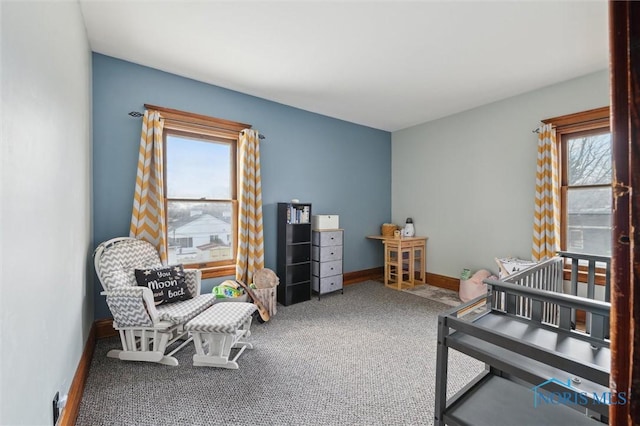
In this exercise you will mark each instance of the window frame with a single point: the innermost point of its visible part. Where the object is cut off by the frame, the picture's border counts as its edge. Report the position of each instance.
(592, 121)
(217, 130)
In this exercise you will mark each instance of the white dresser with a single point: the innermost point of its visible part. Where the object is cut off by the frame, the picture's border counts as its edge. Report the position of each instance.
(326, 261)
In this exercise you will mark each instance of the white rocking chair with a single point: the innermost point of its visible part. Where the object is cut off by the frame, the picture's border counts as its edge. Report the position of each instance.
(145, 330)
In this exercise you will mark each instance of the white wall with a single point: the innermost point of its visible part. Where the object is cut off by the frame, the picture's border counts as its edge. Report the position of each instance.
(46, 307)
(468, 180)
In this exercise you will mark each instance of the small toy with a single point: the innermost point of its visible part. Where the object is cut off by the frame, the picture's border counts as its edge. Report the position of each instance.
(227, 289)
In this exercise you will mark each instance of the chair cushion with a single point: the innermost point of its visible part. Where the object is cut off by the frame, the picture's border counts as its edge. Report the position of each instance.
(167, 284)
(185, 310)
(128, 308)
(119, 260)
(222, 318)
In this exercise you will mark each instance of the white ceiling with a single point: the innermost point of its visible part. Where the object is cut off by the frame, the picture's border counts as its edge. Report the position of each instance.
(383, 64)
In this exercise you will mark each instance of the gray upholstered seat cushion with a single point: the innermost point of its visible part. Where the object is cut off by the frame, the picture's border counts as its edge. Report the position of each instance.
(185, 310)
(222, 318)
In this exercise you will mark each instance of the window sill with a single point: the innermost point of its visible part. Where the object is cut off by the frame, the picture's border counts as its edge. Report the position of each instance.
(215, 271)
(583, 275)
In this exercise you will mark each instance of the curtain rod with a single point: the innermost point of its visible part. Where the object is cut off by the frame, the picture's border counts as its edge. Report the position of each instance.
(538, 129)
(136, 114)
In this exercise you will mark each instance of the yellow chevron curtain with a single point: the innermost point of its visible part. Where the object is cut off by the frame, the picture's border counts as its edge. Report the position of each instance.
(250, 238)
(546, 225)
(147, 219)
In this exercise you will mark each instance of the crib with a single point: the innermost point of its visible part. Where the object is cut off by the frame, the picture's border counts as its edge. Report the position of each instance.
(546, 351)
(590, 276)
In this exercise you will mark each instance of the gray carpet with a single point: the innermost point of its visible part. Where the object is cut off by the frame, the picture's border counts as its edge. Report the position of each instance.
(365, 357)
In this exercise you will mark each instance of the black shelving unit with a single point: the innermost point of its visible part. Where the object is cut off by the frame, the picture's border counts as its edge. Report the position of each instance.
(294, 252)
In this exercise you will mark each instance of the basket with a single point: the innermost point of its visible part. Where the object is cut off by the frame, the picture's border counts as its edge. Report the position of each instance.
(388, 229)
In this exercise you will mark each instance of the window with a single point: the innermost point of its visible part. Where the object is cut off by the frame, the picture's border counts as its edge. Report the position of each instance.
(200, 155)
(587, 194)
(585, 153)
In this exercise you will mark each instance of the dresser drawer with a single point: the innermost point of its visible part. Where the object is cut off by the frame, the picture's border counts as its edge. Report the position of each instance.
(327, 284)
(327, 238)
(326, 269)
(326, 253)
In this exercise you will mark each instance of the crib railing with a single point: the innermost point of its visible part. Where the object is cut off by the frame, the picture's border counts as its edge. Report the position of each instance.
(549, 275)
(565, 304)
(546, 275)
(594, 266)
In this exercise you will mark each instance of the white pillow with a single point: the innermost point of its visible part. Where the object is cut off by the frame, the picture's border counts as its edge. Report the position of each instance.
(511, 265)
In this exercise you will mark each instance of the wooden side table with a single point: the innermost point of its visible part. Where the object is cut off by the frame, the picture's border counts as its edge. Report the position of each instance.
(404, 259)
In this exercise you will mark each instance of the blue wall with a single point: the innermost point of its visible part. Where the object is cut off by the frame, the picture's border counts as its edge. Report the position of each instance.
(341, 168)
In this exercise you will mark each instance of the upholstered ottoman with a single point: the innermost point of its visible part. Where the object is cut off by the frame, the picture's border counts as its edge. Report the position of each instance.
(219, 329)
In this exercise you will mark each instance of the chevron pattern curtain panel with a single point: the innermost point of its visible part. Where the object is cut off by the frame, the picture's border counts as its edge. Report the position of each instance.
(250, 235)
(546, 225)
(147, 218)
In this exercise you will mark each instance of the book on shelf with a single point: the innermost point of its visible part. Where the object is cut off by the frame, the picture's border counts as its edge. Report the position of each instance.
(298, 214)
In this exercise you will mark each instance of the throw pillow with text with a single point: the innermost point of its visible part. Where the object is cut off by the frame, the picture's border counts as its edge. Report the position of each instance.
(167, 284)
